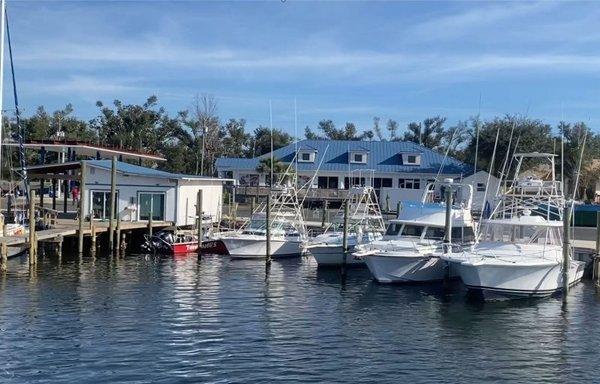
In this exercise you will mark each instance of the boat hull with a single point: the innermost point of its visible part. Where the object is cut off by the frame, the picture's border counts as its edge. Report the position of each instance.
(331, 255)
(253, 248)
(213, 247)
(541, 280)
(405, 268)
(183, 248)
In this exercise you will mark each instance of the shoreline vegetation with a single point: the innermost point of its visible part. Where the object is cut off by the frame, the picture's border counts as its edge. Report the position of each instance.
(194, 138)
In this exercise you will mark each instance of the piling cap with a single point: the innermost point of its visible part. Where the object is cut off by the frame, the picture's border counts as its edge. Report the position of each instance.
(448, 180)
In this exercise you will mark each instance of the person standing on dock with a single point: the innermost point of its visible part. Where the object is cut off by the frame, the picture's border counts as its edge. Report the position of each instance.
(75, 195)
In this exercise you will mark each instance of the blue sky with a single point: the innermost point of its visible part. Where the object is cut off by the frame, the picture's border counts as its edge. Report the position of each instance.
(345, 61)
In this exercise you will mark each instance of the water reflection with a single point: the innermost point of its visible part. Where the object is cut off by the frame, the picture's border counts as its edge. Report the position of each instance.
(152, 318)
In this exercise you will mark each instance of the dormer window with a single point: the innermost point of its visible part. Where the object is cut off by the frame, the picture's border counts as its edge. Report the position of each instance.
(411, 159)
(306, 156)
(358, 157)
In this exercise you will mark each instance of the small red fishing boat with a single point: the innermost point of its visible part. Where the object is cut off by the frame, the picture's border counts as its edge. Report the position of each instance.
(169, 243)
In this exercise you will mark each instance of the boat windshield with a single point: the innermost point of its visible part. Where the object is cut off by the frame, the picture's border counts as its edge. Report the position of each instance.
(523, 234)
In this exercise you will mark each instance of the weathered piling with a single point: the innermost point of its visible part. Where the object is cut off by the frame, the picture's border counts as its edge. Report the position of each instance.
(81, 214)
(3, 257)
(32, 238)
(113, 197)
(268, 232)
(324, 213)
(117, 248)
(345, 238)
(93, 235)
(150, 221)
(252, 205)
(397, 209)
(199, 219)
(54, 188)
(566, 249)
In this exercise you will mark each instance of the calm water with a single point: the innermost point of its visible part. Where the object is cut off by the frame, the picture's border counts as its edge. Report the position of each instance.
(153, 319)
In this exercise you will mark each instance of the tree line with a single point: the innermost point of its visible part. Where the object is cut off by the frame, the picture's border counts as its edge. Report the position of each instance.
(194, 138)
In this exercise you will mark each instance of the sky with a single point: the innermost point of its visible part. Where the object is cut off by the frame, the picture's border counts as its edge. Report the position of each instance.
(345, 61)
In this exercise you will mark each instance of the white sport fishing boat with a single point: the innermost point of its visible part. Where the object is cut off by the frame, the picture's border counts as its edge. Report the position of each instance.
(520, 251)
(287, 229)
(365, 225)
(411, 248)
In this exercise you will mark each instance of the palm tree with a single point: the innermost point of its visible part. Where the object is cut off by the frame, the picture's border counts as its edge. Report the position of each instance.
(264, 167)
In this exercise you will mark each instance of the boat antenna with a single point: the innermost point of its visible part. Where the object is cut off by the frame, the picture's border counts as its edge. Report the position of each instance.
(20, 132)
(458, 128)
(491, 169)
(271, 126)
(477, 136)
(312, 179)
(296, 143)
(578, 174)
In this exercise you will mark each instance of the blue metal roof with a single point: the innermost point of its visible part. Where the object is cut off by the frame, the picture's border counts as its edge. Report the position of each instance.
(383, 156)
(132, 169)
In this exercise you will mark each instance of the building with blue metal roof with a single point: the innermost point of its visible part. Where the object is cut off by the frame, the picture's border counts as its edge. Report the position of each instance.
(398, 170)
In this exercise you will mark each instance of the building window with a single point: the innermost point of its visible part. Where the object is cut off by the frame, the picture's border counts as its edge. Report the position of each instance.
(412, 159)
(382, 182)
(358, 158)
(409, 183)
(100, 207)
(151, 202)
(354, 182)
(306, 157)
(480, 187)
(327, 182)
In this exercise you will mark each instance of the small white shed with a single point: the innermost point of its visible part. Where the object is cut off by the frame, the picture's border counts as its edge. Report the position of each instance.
(141, 190)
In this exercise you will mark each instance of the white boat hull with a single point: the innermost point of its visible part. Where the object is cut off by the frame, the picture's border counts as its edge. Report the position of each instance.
(256, 248)
(396, 268)
(331, 255)
(518, 280)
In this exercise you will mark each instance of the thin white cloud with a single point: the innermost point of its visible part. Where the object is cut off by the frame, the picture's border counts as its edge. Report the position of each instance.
(469, 21)
(83, 85)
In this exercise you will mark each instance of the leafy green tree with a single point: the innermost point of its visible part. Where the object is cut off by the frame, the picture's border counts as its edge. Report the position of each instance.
(261, 140)
(235, 139)
(129, 126)
(429, 134)
(530, 134)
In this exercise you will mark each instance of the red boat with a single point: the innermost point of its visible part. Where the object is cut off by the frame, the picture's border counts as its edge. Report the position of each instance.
(169, 243)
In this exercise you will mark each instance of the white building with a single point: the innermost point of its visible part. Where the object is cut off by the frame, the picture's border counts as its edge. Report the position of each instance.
(141, 190)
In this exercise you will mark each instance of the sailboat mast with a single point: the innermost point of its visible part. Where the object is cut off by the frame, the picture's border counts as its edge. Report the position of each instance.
(2, 28)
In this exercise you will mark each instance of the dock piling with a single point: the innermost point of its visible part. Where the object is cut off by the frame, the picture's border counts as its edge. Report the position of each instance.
(199, 220)
(566, 249)
(32, 238)
(596, 264)
(345, 238)
(80, 210)
(268, 233)
(117, 248)
(113, 197)
(324, 213)
(3, 257)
